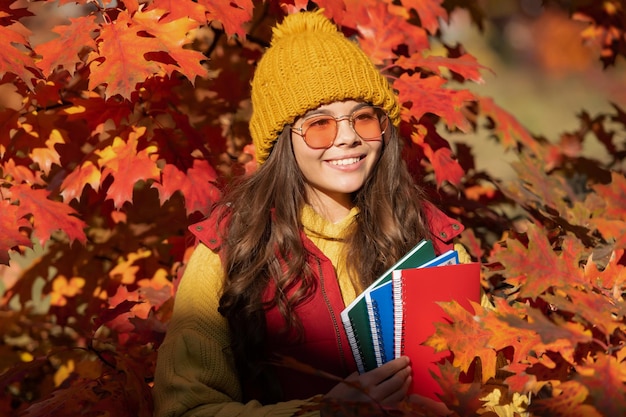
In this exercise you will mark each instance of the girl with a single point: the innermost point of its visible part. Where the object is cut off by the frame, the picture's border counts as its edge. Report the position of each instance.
(331, 207)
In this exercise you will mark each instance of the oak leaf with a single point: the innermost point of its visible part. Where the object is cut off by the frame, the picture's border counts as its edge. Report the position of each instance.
(173, 35)
(10, 234)
(73, 185)
(120, 61)
(126, 165)
(196, 185)
(465, 65)
(179, 9)
(16, 60)
(427, 95)
(64, 51)
(548, 270)
(507, 128)
(48, 215)
(605, 378)
(429, 11)
(231, 14)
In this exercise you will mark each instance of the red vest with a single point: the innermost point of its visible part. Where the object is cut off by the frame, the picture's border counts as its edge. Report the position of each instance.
(324, 345)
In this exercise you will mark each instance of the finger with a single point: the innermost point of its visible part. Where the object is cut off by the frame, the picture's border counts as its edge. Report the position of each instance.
(395, 386)
(398, 395)
(388, 369)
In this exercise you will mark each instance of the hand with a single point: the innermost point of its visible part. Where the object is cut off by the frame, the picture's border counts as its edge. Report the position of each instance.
(388, 384)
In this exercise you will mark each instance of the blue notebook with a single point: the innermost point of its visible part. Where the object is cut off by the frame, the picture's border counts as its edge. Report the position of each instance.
(380, 309)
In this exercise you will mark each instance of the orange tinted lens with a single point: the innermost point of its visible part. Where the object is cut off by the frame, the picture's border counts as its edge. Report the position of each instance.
(320, 132)
(370, 123)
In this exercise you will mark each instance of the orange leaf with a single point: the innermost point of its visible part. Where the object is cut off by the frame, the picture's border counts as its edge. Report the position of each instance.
(605, 379)
(120, 61)
(10, 234)
(177, 9)
(173, 36)
(614, 195)
(447, 168)
(465, 65)
(48, 215)
(429, 11)
(232, 14)
(196, 185)
(427, 95)
(45, 157)
(73, 185)
(127, 166)
(508, 129)
(64, 51)
(13, 59)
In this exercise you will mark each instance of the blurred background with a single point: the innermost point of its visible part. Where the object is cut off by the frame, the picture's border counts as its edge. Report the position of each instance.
(543, 72)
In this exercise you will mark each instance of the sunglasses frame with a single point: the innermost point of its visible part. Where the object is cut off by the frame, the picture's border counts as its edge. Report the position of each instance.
(350, 117)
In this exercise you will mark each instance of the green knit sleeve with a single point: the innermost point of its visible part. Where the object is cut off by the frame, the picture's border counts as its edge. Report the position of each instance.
(195, 371)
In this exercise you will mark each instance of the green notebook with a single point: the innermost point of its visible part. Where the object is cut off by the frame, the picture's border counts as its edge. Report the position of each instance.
(355, 317)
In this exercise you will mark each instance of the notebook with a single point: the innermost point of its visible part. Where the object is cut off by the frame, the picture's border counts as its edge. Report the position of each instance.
(416, 293)
(380, 309)
(355, 317)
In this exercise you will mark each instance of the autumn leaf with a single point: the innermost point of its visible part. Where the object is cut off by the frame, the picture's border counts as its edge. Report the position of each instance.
(48, 215)
(548, 269)
(465, 65)
(605, 379)
(75, 182)
(568, 400)
(427, 95)
(429, 11)
(179, 9)
(614, 195)
(120, 60)
(196, 185)
(173, 35)
(45, 157)
(446, 167)
(10, 233)
(15, 58)
(507, 129)
(232, 14)
(465, 337)
(64, 51)
(63, 288)
(127, 166)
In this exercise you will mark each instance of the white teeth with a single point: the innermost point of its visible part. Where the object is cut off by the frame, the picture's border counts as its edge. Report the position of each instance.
(345, 161)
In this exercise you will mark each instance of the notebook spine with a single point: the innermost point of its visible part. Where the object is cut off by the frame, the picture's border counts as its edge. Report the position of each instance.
(375, 325)
(355, 345)
(398, 313)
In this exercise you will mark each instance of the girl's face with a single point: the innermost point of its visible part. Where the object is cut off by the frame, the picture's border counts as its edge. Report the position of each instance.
(333, 174)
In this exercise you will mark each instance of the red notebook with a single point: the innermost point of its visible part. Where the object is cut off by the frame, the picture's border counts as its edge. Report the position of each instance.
(416, 292)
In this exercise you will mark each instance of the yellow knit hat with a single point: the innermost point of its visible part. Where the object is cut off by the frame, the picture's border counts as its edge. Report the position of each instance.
(310, 63)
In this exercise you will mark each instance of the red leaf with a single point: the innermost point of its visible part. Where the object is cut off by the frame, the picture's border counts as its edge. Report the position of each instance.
(64, 51)
(196, 185)
(172, 34)
(179, 9)
(536, 268)
(127, 166)
(232, 14)
(13, 59)
(83, 175)
(614, 195)
(427, 95)
(605, 379)
(48, 215)
(429, 11)
(507, 129)
(10, 235)
(120, 61)
(466, 65)
(446, 167)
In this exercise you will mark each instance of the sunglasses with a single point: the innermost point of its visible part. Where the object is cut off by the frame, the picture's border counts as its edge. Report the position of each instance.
(320, 131)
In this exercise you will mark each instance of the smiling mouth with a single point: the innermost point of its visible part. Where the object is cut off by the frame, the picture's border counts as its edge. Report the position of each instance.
(342, 162)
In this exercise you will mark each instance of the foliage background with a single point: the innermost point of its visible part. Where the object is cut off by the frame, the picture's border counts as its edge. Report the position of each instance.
(97, 188)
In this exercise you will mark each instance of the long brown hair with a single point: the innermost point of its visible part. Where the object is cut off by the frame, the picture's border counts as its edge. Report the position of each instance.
(262, 240)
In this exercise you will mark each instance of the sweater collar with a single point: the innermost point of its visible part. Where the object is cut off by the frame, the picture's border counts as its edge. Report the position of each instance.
(315, 224)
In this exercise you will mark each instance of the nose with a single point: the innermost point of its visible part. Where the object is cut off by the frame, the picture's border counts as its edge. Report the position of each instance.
(346, 135)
